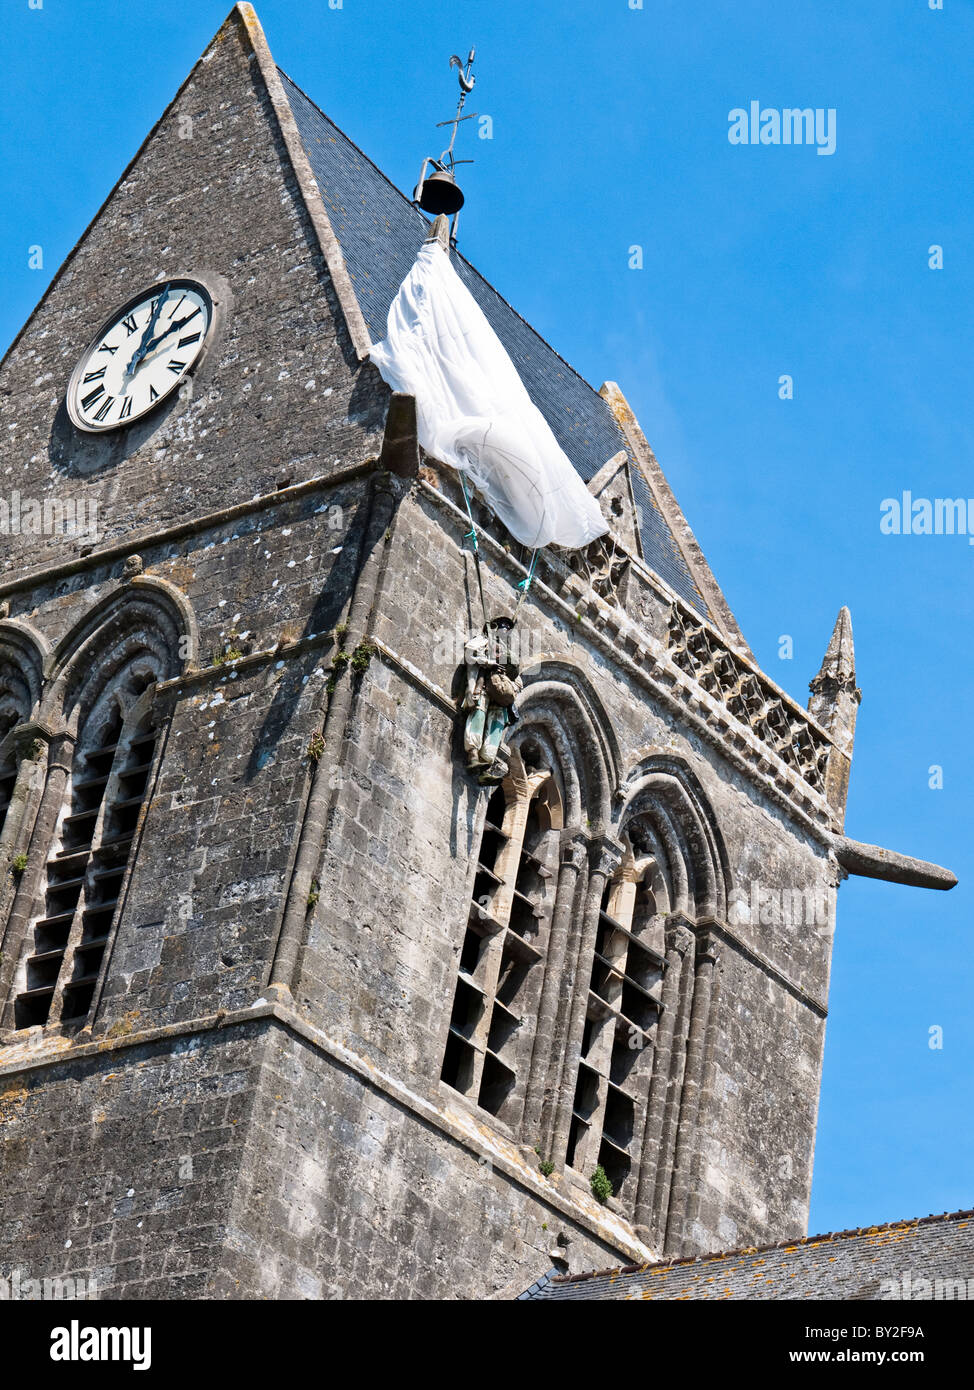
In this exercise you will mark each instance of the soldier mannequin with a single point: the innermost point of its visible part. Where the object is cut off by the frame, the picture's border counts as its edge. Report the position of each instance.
(493, 684)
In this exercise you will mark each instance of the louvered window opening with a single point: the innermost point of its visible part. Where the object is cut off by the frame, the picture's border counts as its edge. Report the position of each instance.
(84, 879)
(496, 978)
(614, 1072)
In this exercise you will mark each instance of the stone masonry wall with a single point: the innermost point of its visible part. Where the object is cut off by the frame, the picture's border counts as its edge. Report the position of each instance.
(201, 907)
(379, 966)
(347, 1194)
(119, 1168)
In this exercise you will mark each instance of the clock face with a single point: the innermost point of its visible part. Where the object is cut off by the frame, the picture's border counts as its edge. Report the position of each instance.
(140, 355)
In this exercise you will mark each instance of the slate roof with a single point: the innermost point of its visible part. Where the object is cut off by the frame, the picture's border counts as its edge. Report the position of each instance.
(932, 1257)
(380, 232)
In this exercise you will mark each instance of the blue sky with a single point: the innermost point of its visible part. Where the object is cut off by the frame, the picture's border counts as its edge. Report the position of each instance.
(609, 131)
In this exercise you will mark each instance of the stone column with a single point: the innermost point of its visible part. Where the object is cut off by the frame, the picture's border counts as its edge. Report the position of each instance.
(604, 859)
(30, 741)
(538, 1108)
(695, 1204)
(31, 745)
(679, 942)
(674, 1089)
(706, 957)
(60, 758)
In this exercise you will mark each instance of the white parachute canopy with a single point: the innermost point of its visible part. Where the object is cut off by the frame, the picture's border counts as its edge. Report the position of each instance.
(473, 411)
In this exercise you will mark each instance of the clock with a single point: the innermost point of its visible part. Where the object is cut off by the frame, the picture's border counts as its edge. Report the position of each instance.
(140, 355)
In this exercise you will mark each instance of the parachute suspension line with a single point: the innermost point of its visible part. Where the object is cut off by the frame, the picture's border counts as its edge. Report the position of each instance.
(472, 535)
(525, 583)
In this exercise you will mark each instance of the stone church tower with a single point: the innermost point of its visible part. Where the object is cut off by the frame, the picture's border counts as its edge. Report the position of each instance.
(290, 1006)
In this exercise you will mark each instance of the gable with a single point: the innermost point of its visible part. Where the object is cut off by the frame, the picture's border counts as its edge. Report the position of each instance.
(612, 487)
(280, 393)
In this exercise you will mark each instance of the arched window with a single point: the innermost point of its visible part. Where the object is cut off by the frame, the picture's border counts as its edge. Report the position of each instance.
(542, 862)
(488, 1048)
(97, 712)
(637, 1069)
(84, 872)
(622, 1011)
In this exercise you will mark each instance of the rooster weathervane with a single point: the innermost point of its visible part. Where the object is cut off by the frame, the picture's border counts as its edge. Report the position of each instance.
(440, 193)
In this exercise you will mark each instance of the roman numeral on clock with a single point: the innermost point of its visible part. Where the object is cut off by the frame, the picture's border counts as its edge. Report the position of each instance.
(95, 376)
(190, 338)
(126, 409)
(175, 366)
(130, 324)
(105, 408)
(105, 348)
(88, 401)
(153, 393)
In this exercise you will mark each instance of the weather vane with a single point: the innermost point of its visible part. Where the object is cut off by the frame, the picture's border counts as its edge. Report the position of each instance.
(440, 192)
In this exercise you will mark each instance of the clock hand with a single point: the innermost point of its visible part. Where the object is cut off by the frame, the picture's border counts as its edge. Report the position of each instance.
(140, 351)
(173, 327)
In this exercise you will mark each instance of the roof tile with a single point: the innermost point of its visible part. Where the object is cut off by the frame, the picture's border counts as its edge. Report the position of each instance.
(929, 1257)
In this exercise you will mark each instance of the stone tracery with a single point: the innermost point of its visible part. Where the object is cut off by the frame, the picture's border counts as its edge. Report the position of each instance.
(751, 700)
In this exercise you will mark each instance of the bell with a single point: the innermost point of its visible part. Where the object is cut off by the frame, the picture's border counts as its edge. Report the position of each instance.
(441, 194)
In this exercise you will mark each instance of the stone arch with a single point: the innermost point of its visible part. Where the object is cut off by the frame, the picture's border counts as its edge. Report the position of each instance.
(664, 809)
(22, 655)
(560, 711)
(145, 630)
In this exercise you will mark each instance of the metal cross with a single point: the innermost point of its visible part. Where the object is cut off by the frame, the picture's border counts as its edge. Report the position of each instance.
(446, 159)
